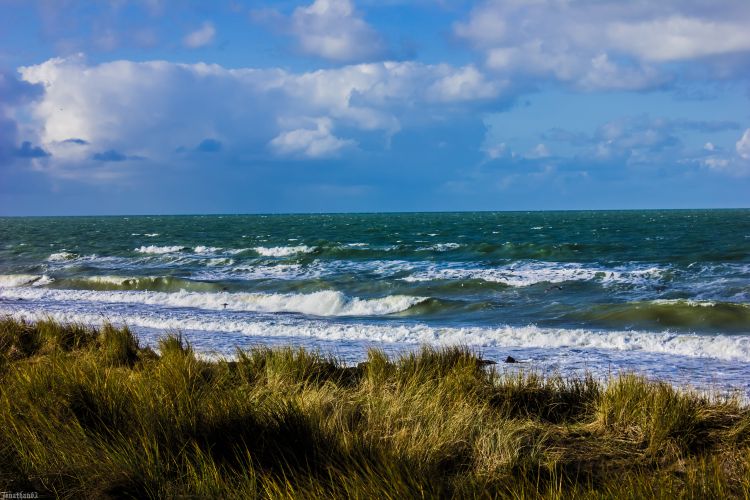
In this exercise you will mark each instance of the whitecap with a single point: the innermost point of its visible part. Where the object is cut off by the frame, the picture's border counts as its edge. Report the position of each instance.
(17, 280)
(283, 251)
(527, 273)
(441, 247)
(323, 303)
(206, 249)
(153, 249)
(61, 256)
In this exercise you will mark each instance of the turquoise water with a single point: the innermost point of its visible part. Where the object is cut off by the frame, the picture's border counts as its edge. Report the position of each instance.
(663, 292)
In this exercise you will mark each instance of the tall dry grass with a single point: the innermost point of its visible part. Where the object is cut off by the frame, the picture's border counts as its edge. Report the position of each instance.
(88, 412)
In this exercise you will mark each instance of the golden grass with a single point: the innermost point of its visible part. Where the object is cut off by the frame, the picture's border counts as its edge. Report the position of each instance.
(86, 411)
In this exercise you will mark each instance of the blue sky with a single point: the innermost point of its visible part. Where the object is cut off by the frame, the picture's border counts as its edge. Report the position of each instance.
(154, 106)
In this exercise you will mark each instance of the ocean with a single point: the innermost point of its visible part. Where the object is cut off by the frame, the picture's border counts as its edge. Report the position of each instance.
(662, 293)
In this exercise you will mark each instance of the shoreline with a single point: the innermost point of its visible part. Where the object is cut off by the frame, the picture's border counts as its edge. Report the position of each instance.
(89, 411)
(350, 343)
(657, 356)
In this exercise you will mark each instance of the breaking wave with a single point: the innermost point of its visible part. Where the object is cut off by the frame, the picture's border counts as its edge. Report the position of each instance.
(283, 251)
(323, 303)
(154, 249)
(724, 347)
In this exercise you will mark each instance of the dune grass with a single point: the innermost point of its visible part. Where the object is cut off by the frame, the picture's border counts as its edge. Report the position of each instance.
(87, 412)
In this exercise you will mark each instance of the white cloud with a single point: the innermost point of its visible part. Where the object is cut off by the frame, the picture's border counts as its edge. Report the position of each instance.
(606, 44)
(333, 29)
(714, 163)
(727, 162)
(743, 145)
(465, 84)
(200, 37)
(539, 151)
(494, 151)
(678, 37)
(142, 112)
(310, 142)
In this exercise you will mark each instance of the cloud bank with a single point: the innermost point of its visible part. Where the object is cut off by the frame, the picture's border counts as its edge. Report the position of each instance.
(607, 44)
(95, 116)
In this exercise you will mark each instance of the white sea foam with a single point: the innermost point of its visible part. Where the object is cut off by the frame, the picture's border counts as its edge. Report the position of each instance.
(514, 275)
(283, 251)
(17, 280)
(442, 247)
(205, 249)
(61, 257)
(313, 270)
(528, 273)
(323, 303)
(153, 249)
(259, 272)
(151, 235)
(692, 303)
(723, 347)
(220, 262)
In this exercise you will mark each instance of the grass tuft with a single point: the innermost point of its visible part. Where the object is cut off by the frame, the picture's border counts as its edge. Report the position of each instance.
(87, 411)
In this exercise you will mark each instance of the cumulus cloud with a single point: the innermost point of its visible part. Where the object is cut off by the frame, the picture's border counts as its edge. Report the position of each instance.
(606, 44)
(656, 142)
(678, 37)
(643, 138)
(310, 142)
(743, 145)
(200, 37)
(111, 114)
(331, 29)
(463, 85)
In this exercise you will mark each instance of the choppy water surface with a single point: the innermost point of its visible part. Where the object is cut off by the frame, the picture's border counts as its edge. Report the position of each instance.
(666, 293)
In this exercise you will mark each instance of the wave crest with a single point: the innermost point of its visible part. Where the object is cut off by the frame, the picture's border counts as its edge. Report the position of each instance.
(283, 251)
(19, 280)
(323, 303)
(154, 249)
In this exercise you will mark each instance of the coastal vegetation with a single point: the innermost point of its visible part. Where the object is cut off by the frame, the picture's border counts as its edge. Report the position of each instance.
(87, 411)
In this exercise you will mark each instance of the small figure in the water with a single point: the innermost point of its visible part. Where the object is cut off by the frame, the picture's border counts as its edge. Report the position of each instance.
(225, 305)
(553, 287)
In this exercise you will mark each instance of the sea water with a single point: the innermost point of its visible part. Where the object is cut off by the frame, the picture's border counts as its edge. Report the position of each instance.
(662, 293)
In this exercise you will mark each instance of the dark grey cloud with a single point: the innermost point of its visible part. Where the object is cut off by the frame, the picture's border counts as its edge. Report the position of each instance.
(14, 92)
(28, 151)
(209, 146)
(112, 155)
(75, 140)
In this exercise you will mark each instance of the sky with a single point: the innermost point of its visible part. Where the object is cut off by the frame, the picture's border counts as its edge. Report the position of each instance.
(155, 106)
